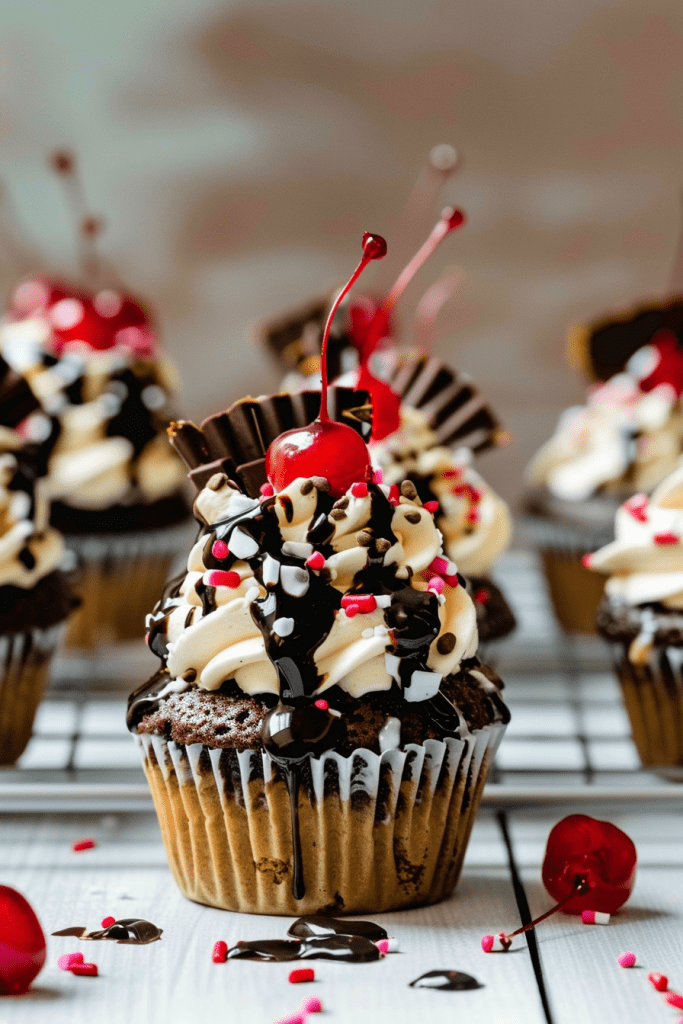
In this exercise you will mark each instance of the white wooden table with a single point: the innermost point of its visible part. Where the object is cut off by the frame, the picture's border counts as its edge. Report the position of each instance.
(568, 736)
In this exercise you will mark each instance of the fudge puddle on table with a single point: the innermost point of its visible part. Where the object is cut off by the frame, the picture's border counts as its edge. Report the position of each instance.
(132, 931)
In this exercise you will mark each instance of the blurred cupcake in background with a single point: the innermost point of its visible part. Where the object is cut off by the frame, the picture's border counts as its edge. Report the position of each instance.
(626, 439)
(92, 357)
(35, 590)
(641, 616)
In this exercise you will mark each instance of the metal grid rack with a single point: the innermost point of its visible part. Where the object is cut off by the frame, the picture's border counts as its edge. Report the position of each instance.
(568, 741)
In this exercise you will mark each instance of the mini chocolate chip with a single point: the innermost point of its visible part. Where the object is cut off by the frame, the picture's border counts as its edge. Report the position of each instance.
(445, 643)
(382, 545)
(364, 539)
(307, 487)
(190, 675)
(413, 517)
(408, 489)
(217, 481)
(342, 503)
(320, 483)
(338, 513)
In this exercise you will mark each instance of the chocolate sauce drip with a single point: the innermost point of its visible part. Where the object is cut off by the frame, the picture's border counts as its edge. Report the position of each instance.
(351, 949)
(131, 931)
(446, 981)
(313, 925)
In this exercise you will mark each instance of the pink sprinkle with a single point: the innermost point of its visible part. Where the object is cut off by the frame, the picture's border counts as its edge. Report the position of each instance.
(316, 560)
(301, 974)
(378, 476)
(439, 564)
(267, 490)
(594, 917)
(220, 578)
(296, 1018)
(108, 921)
(83, 844)
(147, 639)
(220, 952)
(436, 584)
(360, 490)
(487, 943)
(86, 970)
(660, 981)
(666, 538)
(322, 704)
(383, 946)
(69, 960)
(431, 506)
(220, 549)
(674, 999)
(628, 960)
(636, 507)
(587, 561)
(312, 1005)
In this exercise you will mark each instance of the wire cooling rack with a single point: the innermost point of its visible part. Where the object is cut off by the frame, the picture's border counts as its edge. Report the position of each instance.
(568, 742)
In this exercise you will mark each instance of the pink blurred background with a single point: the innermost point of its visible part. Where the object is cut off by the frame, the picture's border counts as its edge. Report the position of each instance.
(237, 151)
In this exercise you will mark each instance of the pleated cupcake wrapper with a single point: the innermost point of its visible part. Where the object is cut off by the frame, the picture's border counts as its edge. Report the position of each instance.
(378, 832)
(24, 668)
(653, 696)
(119, 579)
(235, 442)
(573, 541)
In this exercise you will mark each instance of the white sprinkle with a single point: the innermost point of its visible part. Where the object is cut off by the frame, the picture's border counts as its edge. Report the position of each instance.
(271, 571)
(283, 627)
(295, 580)
(394, 944)
(153, 396)
(298, 549)
(383, 600)
(390, 735)
(251, 594)
(242, 545)
(423, 685)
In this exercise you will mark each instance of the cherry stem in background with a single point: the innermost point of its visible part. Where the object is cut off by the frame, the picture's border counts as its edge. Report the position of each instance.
(88, 227)
(431, 303)
(580, 887)
(374, 248)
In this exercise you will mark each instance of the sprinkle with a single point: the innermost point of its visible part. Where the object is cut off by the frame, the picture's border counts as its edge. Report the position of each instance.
(301, 974)
(431, 506)
(219, 549)
(108, 921)
(220, 952)
(296, 1018)
(364, 603)
(312, 1005)
(674, 999)
(628, 960)
(452, 581)
(666, 538)
(394, 494)
(220, 578)
(436, 584)
(636, 507)
(316, 561)
(393, 944)
(69, 960)
(359, 490)
(322, 704)
(594, 917)
(472, 517)
(267, 490)
(482, 596)
(660, 981)
(496, 943)
(439, 564)
(378, 476)
(351, 610)
(85, 970)
(587, 561)
(83, 844)
(383, 946)
(283, 626)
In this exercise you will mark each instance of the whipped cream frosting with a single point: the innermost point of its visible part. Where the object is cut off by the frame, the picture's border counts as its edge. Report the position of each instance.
(645, 561)
(625, 438)
(111, 410)
(29, 548)
(475, 522)
(294, 593)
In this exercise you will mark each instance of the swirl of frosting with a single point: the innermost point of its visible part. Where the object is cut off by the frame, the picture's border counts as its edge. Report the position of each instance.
(474, 520)
(645, 561)
(295, 593)
(112, 410)
(29, 548)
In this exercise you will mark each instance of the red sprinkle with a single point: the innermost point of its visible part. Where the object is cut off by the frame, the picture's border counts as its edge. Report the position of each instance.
(394, 494)
(667, 538)
(360, 490)
(452, 581)
(587, 561)
(636, 507)
(660, 981)
(219, 549)
(86, 970)
(108, 921)
(487, 943)
(674, 999)
(301, 974)
(482, 596)
(316, 560)
(220, 952)
(431, 506)
(69, 960)
(83, 844)
(628, 960)
(439, 564)
(362, 602)
(220, 578)
(267, 490)
(351, 610)
(322, 704)
(472, 517)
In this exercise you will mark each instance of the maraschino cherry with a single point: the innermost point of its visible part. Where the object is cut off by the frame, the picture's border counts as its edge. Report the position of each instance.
(22, 943)
(371, 323)
(589, 865)
(325, 448)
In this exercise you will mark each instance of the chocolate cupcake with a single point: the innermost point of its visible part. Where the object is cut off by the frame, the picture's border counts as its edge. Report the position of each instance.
(641, 617)
(35, 593)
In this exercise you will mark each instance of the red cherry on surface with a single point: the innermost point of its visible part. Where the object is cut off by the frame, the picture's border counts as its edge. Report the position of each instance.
(325, 448)
(583, 846)
(22, 943)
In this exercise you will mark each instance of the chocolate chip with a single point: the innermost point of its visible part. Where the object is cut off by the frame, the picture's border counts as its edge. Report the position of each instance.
(320, 483)
(307, 487)
(190, 675)
(364, 539)
(408, 489)
(337, 513)
(342, 503)
(413, 517)
(382, 545)
(215, 482)
(445, 643)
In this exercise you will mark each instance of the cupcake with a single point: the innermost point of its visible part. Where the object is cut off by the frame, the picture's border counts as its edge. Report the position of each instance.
(35, 593)
(320, 729)
(641, 617)
(625, 440)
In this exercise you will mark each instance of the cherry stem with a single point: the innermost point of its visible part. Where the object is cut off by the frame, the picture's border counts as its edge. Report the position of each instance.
(580, 887)
(431, 303)
(374, 248)
(88, 227)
